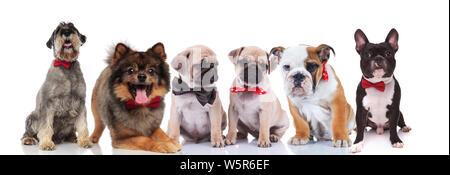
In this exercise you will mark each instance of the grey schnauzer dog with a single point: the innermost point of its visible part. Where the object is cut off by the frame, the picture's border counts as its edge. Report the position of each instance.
(60, 103)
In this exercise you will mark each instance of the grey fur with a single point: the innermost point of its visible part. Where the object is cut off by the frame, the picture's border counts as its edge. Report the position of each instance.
(60, 103)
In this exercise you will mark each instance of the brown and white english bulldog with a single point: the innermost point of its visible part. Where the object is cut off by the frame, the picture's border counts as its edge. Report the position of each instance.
(315, 95)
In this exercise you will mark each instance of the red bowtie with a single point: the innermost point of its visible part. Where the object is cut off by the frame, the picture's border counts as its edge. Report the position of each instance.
(154, 103)
(62, 63)
(256, 90)
(367, 84)
(325, 72)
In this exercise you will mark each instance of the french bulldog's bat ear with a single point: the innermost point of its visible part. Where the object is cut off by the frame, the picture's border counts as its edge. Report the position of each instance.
(119, 51)
(158, 50)
(234, 54)
(276, 52)
(323, 52)
(361, 40)
(50, 41)
(392, 39)
(180, 60)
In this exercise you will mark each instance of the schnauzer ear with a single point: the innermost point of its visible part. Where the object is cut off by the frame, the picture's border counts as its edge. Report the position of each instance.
(50, 41)
(82, 38)
(234, 54)
(180, 60)
(158, 50)
(392, 39)
(323, 52)
(361, 40)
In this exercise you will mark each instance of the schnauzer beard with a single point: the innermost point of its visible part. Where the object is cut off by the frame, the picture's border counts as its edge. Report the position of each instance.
(67, 54)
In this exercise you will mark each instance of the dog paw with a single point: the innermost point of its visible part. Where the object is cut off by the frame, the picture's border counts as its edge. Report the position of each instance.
(47, 146)
(230, 139)
(341, 143)
(84, 143)
(217, 142)
(356, 148)
(28, 141)
(397, 145)
(264, 143)
(177, 145)
(274, 138)
(406, 128)
(94, 139)
(165, 147)
(298, 141)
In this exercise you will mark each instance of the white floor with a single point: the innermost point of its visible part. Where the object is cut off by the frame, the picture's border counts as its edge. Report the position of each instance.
(374, 144)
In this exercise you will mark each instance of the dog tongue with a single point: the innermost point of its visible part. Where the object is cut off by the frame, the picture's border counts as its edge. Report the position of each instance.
(67, 44)
(141, 96)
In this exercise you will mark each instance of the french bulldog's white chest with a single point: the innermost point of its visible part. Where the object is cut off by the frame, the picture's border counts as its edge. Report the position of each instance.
(376, 103)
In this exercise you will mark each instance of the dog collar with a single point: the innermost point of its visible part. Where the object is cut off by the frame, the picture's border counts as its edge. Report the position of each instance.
(62, 63)
(257, 90)
(381, 86)
(154, 103)
(204, 96)
(325, 72)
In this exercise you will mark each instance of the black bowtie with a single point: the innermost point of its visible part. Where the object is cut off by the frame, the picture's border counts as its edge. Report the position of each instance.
(203, 95)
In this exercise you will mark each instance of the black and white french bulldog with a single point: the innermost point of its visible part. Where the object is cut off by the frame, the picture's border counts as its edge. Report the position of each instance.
(378, 94)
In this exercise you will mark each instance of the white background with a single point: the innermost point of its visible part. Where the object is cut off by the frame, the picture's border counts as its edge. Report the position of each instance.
(422, 60)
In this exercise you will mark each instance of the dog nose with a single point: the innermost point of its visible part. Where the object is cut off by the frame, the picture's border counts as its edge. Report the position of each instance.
(298, 79)
(142, 77)
(378, 61)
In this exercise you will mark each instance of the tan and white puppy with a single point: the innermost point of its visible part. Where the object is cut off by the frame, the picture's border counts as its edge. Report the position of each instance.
(254, 108)
(318, 106)
(196, 112)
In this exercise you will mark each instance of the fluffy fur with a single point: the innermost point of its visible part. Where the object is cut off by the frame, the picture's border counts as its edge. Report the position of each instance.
(127, 72)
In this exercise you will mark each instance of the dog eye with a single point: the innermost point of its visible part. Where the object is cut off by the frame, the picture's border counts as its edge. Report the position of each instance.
(311, 67)
(286, 67)
(150, 71)
(369, 54)
(131, 70)
(387, 53)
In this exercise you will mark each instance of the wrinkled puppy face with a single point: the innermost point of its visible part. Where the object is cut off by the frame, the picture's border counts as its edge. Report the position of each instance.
(139, 76)
(66, 41)
(302, 67)
(251, 65)
(377, 60)
(197, 66)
